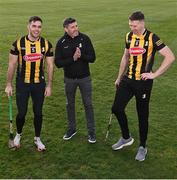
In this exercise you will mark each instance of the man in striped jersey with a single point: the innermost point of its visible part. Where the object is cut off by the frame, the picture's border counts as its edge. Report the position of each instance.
(135, 78)
(30, 52)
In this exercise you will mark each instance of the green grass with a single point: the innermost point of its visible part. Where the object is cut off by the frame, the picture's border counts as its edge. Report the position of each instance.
(105, 21)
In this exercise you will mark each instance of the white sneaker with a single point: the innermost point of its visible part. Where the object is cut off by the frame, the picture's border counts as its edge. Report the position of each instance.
(40, 146)
(17, 140)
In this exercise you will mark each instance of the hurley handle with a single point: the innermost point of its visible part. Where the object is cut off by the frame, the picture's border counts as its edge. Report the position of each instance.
(10, 108)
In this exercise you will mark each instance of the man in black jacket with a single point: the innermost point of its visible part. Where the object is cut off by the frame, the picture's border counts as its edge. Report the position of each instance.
(74, 51)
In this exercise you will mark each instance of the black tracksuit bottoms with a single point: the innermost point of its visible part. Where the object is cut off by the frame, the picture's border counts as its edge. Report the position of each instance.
(23, 92)
(126, 90)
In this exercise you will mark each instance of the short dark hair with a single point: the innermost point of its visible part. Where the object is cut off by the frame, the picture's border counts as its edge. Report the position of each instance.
(68, 21)
(138, 15)
(35, 18)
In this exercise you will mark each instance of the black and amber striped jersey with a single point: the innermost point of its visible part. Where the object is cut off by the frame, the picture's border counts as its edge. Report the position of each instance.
(142, 51)
(31, 57)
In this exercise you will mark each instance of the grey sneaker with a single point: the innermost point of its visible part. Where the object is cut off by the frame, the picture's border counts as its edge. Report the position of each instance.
(141, 154)
(122, 142)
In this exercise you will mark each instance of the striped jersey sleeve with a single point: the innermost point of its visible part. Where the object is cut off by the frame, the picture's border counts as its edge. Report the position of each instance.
(158, 43)
(14, 49)
(127, 44)
(49, 52)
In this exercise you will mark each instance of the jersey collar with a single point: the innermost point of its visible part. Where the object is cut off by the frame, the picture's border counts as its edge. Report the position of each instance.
(140, 36)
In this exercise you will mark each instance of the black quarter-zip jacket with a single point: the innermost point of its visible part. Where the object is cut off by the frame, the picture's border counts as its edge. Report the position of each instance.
(65, 49)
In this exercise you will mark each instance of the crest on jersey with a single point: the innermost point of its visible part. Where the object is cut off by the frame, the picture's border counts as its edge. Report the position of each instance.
(146, 43)
(43, 49)
(80, 45)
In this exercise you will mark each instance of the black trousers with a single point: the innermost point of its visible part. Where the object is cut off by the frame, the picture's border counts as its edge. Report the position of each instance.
(23, 92)
(126, 90)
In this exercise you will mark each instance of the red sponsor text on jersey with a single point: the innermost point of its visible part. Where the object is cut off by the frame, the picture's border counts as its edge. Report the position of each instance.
(135, 51)
(33, 57)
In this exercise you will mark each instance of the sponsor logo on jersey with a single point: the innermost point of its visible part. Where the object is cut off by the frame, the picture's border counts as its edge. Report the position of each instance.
(33, 57)
(135, 51)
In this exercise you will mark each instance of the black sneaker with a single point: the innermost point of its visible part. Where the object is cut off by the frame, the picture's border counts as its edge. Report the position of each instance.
(92, 138)
(69, 134)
